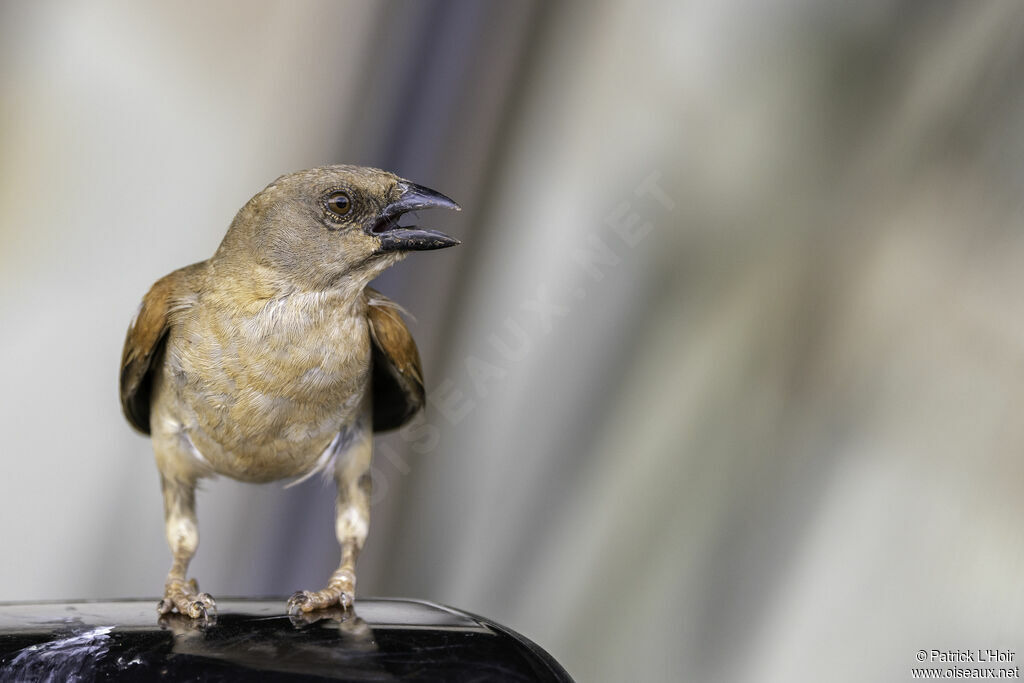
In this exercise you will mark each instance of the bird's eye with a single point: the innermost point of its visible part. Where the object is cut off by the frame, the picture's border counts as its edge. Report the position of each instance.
(339, 203)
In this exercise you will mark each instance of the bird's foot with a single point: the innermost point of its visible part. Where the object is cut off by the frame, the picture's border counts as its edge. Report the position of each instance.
(182, 626)
(336, 613)
(340, 592)
(185, 597)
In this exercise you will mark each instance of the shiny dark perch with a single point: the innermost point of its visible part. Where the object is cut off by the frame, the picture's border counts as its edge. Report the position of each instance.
(383, 640)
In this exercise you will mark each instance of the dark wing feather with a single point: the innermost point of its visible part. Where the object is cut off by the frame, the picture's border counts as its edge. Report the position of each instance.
(144, 344)
(397, 374)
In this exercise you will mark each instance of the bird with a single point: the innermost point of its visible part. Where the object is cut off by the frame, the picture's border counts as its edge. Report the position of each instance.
(274, 359)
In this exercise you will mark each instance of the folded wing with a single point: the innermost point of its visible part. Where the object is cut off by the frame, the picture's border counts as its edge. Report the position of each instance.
(144, 344)
(397, 374)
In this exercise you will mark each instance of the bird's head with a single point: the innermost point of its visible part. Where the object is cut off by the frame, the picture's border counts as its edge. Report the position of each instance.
(314, 228)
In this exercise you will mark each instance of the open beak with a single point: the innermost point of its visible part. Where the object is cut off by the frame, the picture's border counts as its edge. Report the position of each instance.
(395, 237)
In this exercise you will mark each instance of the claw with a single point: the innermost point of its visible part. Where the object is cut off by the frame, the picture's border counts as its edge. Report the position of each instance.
(336, 613)
(301, 620)
(297, 603)
(197, 610)
(207, 608)
(304, 602)
(202, 613)
(181, 596)
(181, 624)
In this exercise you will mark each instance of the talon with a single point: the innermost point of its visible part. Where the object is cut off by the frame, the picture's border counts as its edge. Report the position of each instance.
(302, 620)
(297, 603)
(209, 607)
(179, 596)
(197, 610)
(202, 615)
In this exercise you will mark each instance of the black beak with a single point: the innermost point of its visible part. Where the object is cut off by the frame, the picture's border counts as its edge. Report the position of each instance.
(412, 238)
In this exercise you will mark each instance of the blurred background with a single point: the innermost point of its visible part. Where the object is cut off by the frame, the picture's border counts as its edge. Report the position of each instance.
(725, 380)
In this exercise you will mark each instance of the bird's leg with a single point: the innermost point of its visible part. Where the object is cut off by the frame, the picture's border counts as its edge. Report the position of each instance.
(352, 475)
(183, 537)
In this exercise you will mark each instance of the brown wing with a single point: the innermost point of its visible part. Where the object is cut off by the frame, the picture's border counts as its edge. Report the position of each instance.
(397, 375)
(144, 344)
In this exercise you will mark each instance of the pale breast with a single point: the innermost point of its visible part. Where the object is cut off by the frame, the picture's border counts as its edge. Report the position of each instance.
(261, 396)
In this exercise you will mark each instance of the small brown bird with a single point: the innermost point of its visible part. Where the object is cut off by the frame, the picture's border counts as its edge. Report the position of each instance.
(274, 359)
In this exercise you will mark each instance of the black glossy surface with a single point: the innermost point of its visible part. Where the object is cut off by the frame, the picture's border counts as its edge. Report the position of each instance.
(384, 640)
